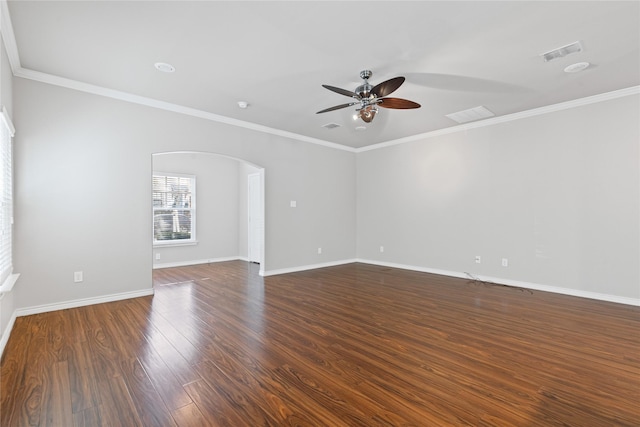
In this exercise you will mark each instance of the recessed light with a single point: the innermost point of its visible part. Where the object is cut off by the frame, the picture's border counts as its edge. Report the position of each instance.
(243, 104)
(164, 67)
(577, 67)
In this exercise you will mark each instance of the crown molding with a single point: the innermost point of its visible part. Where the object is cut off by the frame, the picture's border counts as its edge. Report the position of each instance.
(168, 106)
(9, 41)
(6, 30)
(634, 90)
(176, 108)
(8, 37)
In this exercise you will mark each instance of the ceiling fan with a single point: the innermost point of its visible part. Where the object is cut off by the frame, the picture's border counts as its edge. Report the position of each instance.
(370, 97)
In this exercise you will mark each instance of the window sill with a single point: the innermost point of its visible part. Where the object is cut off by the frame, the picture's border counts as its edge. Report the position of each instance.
(7, 286)
(172, 243)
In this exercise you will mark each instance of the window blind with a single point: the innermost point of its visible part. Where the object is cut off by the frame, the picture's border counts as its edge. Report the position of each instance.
(6, 196)
(173, 207)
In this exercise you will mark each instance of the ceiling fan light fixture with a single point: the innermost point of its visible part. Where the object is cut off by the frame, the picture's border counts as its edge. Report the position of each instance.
(368, 113)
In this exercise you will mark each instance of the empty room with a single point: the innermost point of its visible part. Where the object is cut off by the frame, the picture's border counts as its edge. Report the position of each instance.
(319, 213)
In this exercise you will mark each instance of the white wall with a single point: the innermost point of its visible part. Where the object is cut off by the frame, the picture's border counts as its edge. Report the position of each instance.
(217, 201)
(557, 194)
(83, 194)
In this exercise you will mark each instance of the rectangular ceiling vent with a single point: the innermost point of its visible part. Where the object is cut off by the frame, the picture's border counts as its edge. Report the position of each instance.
(563, 51)
(471, 115)
(331, 126)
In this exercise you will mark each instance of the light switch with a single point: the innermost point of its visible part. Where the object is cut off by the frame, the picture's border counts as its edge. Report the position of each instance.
(293, 203)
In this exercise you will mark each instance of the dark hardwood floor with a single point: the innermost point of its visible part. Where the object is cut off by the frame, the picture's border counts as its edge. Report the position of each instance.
(353, 345)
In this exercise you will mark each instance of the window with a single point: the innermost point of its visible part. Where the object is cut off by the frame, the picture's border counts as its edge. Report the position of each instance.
(174, 208)
(7, 278)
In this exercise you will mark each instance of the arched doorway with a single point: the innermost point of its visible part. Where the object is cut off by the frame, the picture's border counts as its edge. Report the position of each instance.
(227, 202)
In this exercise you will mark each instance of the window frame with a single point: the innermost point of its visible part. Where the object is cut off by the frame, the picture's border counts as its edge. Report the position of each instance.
(192, 209)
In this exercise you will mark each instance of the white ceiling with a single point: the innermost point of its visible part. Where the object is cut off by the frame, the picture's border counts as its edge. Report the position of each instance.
(276, 55)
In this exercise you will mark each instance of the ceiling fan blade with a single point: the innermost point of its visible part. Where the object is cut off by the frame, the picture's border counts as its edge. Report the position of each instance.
(337, 107)
(387, 87)
(397, 103)
(341, 91)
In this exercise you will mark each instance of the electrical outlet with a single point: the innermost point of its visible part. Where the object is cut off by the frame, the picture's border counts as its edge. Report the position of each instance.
(505, 262)
(157, 256)
(77, 276)
(381, 249)
(319, 251)
(478, 259)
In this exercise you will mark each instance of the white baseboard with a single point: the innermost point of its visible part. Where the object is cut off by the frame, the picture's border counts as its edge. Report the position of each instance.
(307, 267)
(462, 275)
(196, 262)
(205, 261)
(7, 332)
(82, 302)
(64, 305)
(510, 282)
(146, 292)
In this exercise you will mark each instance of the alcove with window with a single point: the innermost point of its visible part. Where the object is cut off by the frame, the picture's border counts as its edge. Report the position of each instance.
(201, 208)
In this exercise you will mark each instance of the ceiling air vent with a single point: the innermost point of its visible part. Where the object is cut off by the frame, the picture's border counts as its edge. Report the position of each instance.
(561, 52)
(471, 115)
(331, 126)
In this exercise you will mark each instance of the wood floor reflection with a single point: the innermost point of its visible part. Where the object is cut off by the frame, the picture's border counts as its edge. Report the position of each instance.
(352, 345)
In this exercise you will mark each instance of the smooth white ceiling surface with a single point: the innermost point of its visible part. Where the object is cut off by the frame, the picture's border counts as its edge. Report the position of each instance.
(276, 55)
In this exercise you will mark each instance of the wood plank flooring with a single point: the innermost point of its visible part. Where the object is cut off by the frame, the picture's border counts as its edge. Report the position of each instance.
(353, 345)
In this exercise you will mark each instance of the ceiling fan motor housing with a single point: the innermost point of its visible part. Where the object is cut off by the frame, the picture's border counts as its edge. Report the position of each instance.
(364, 90)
